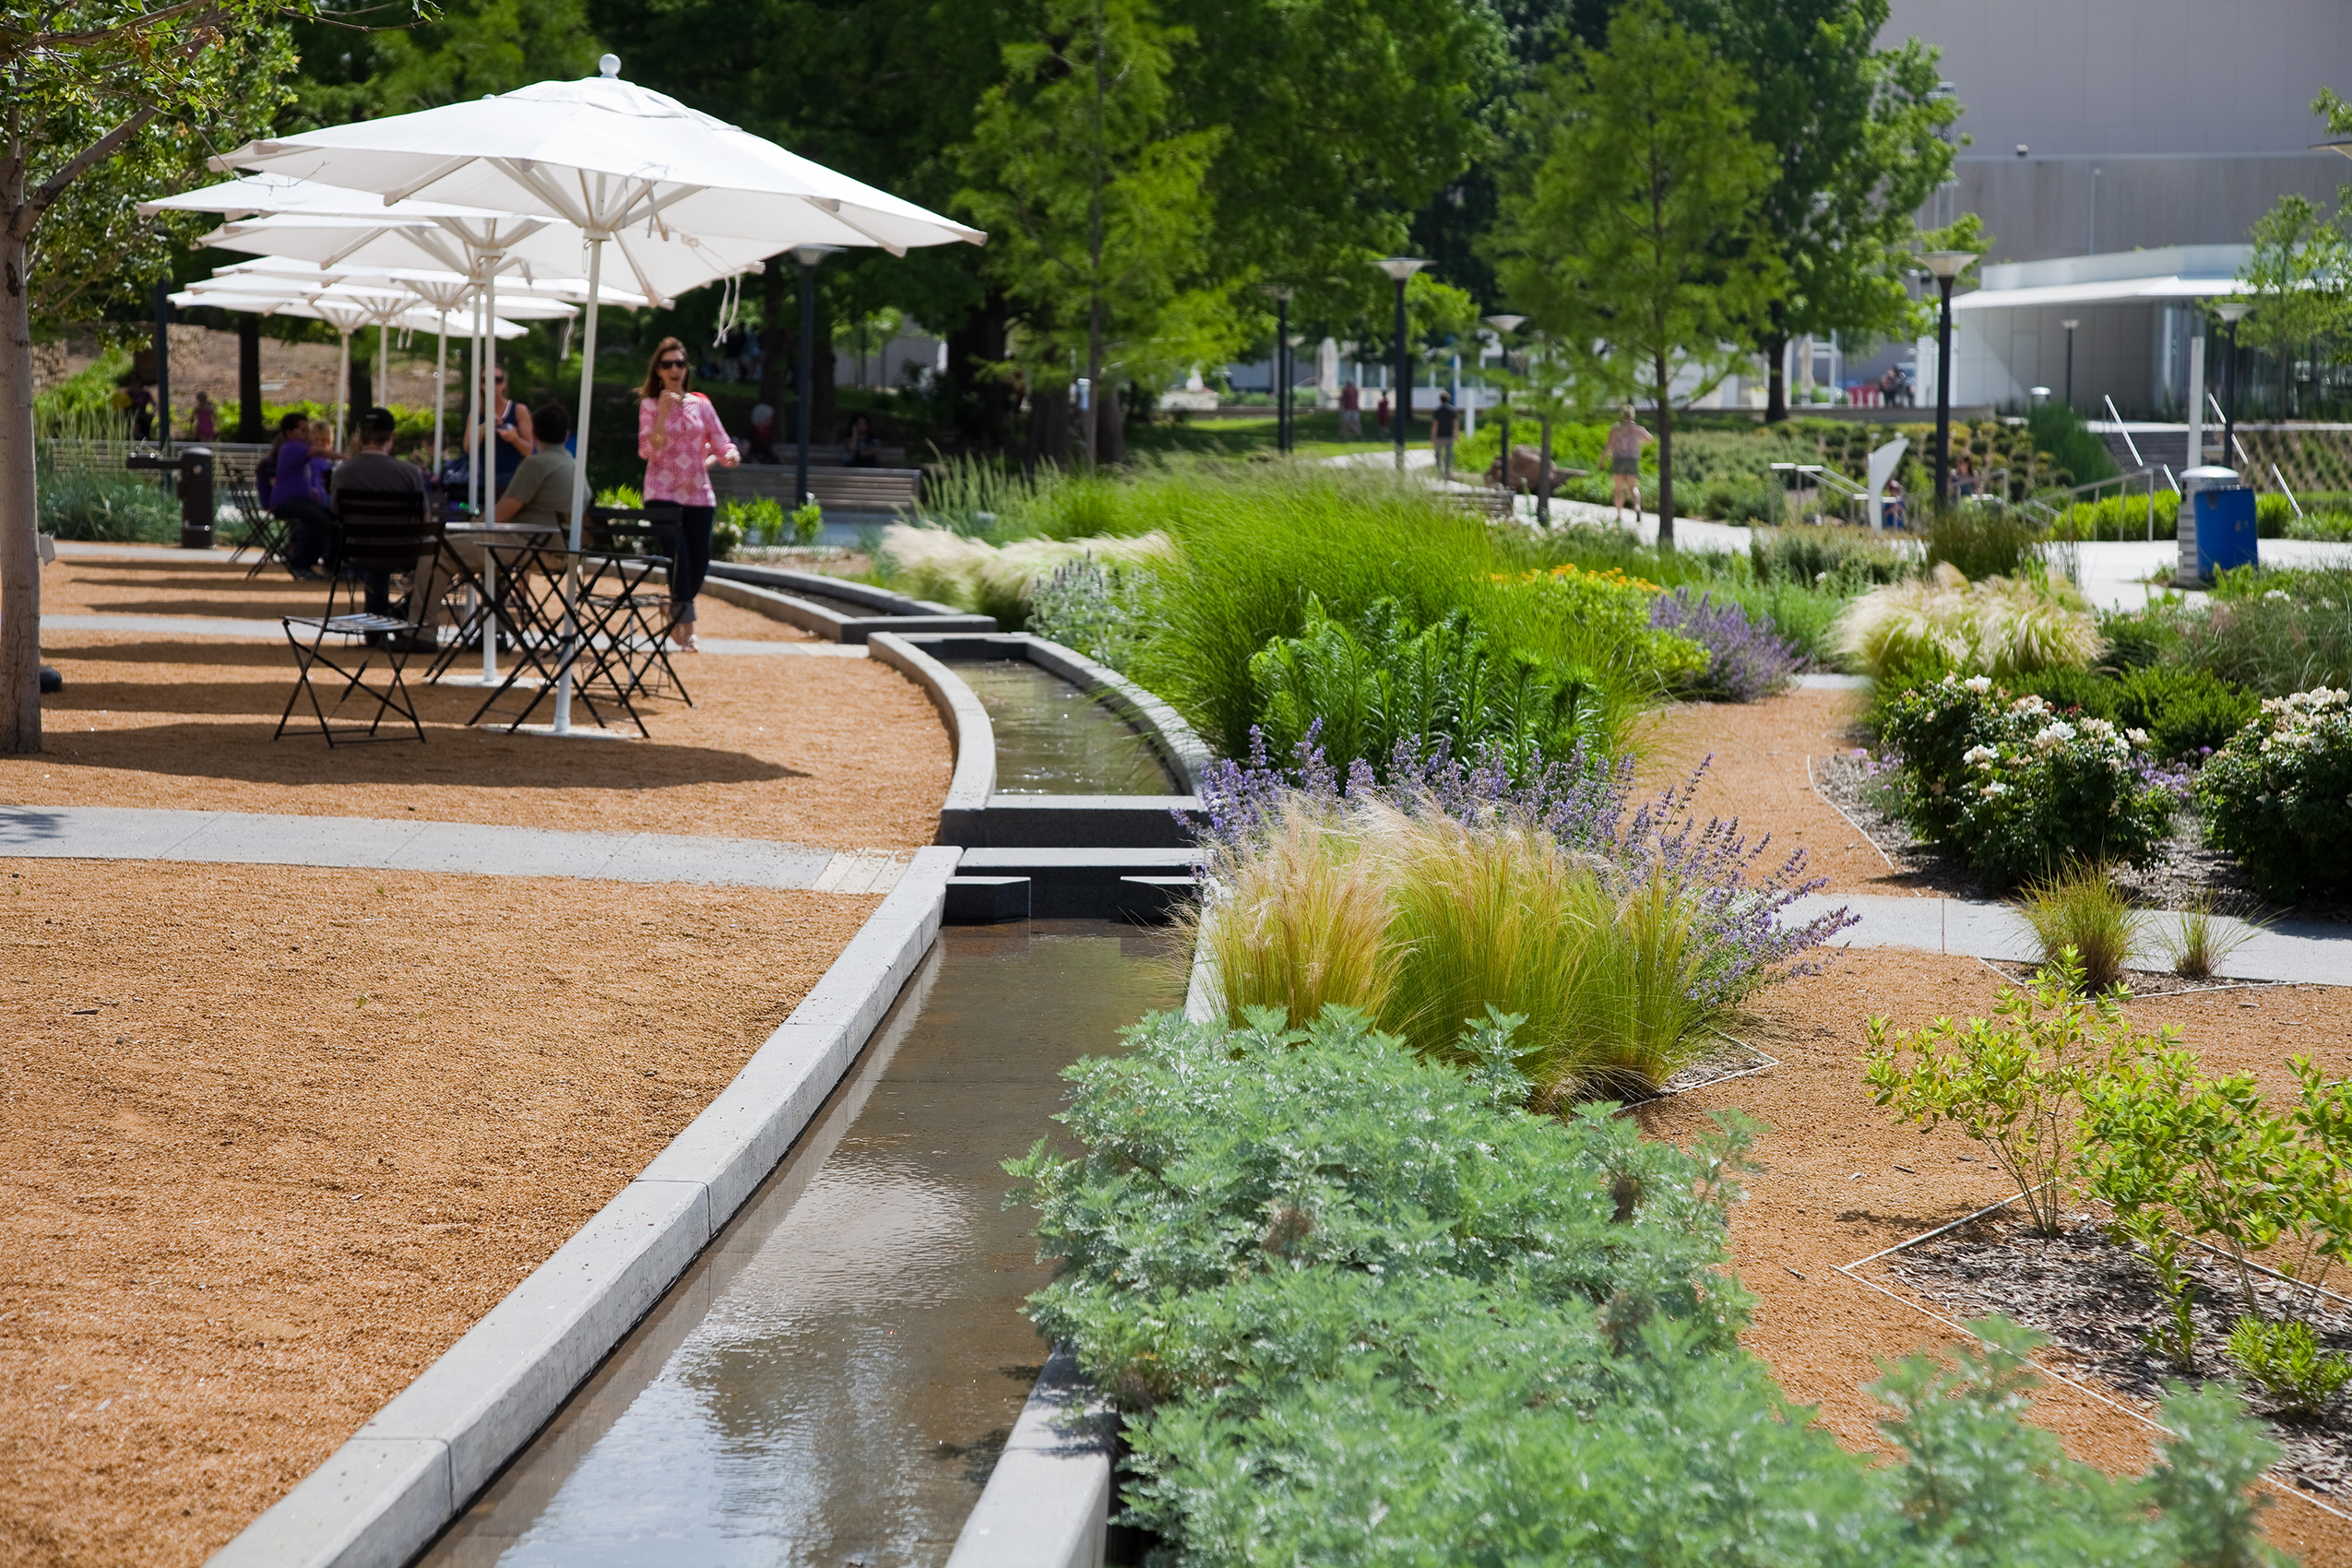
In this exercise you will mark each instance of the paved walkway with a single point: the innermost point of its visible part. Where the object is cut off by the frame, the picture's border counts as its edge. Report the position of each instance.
(110, 832)
(2308, 952)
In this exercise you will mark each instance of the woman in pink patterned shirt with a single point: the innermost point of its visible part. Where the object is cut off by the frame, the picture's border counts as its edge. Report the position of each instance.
(679, 437)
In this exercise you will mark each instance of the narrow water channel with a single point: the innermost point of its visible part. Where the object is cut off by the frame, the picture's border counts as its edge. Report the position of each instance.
(831, 1380)
(1055, 739)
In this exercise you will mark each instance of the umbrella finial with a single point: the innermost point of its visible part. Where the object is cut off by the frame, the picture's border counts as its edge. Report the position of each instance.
(609, 66)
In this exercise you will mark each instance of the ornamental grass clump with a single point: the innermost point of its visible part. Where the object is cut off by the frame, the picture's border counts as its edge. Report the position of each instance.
(1617, 936)
(2000, 627)
(2279, 795)
(2017, 788)
(2078, 911)
(2200, 938)
(989, 579)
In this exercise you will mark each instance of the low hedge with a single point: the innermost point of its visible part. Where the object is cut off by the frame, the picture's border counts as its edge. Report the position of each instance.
(2279, 796)
(1358, 1307)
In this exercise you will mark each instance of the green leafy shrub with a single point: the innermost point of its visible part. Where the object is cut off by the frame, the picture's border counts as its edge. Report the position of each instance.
(1981, 541)
(808, 522)
(106, 507)
(2121, 518)
(2059, 430)
(2285, 1361)
(757, 521)
(2177, 1157)
(2278, 796)
(2001, 626)
(2184, 713)
(1092, 608)
(2016, 790)
(1818, 554)
(2015, 1083)
(1356, 1308)
(2078, 912)
(2332, 526)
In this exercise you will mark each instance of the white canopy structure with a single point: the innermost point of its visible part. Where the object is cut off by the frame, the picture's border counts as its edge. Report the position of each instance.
(612, 162)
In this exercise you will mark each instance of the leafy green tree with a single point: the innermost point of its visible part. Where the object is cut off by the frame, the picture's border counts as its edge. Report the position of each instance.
(1638, 235)
(370, 59)
(1098, 212)
(2295, 273)
(93, 89)
(1860, 138)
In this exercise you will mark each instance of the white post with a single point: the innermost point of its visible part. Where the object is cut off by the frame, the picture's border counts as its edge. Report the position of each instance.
(384, 363)
(440, 385)
(2185, 530)
(579, 464)
(473, 414)
(490, 409)
(342, 380)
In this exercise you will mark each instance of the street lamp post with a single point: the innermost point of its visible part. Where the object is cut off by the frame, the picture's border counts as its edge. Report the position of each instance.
(1280, 294)
(808, 256)
(2069, 324)
(1399, 268)
(1503, 326)
(2231, 312)
(1947, 265)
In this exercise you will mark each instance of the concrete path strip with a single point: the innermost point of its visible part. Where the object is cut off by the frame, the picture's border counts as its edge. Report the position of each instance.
(2301, 952)
(118, 833)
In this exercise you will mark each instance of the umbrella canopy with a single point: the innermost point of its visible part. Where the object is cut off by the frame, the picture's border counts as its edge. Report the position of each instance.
(377, 297)
(425, 282)
(605, 155)
(340, 313)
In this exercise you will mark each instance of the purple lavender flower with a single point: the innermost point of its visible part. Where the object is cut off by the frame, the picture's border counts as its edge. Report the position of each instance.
(1745, 662)
(1585, 802)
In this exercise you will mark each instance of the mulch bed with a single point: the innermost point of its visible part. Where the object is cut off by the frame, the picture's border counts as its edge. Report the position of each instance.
(2136, 982)
(2098, 1304)
(1727, 1058)
(2186, 870)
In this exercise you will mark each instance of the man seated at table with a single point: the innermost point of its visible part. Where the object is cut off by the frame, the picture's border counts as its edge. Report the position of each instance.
(541, 491)
(371, 467)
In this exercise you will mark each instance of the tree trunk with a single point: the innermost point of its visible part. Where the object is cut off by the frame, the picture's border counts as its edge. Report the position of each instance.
(19, 518)
(1050, 427)
(1110, 425)
(982, 403)
(823, 416)
(1665, 456)
(1775, 350)
(776, 365)
(249, 377)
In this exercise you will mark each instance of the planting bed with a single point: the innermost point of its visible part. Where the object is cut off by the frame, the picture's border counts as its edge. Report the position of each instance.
(2094, 1301)
(2187, 869)
(2139, 983)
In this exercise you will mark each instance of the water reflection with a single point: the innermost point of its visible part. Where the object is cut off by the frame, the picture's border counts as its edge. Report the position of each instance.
(832, 1380)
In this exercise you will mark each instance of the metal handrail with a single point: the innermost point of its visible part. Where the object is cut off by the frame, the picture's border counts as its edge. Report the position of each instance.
(2051, 499)
(1827, 477)
(2129, 445)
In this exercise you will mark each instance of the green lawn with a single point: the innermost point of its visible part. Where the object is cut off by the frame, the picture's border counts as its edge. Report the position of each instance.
(1317, 434)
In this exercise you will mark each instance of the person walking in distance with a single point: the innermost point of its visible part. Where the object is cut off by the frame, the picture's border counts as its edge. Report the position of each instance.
(1351, 412)
(1626, 439)
(680, 437)
(1441, 437)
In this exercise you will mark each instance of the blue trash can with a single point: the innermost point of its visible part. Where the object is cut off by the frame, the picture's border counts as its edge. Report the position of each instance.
(2225, 528)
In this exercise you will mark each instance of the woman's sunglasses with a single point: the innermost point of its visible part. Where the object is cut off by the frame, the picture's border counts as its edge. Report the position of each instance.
(669, 365)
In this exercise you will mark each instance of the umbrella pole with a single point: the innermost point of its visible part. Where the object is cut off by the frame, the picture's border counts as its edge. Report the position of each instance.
(440, 389)
(384, 363)
(489, 556)
(579, 472)
(342, 382)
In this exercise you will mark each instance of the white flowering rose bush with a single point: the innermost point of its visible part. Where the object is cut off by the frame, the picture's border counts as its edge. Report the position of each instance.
(2018, 788)
(2279, 795)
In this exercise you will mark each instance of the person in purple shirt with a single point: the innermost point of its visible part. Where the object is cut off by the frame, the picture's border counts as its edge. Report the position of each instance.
(294, 497)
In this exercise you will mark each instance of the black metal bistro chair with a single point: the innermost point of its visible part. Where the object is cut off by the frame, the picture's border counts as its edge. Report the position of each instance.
(259, 529)
(635, 616)
(379, 533)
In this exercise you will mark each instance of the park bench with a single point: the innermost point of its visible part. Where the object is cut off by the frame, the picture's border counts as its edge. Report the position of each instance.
(880, 492)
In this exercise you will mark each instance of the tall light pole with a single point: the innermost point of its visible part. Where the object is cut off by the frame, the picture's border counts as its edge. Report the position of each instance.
(2069, 324)
(1280, 294)
(2231, 312)
(1947, 265)
(808, 256)
(1399, 268)
(1503, 326)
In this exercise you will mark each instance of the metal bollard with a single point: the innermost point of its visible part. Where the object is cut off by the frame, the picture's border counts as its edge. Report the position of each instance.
(195, 498)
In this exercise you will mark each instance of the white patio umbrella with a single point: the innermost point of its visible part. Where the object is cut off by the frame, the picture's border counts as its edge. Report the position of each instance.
(609, 158)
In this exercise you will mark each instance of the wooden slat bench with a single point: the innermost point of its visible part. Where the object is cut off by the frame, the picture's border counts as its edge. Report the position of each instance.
(874, 492)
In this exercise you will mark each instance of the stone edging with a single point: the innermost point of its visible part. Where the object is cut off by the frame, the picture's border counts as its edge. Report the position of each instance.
(960, 815)
(1047, 1501)
(382, 1497)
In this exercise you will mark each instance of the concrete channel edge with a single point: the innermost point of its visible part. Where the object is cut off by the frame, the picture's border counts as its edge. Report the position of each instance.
(384, 1494)
(961, 815)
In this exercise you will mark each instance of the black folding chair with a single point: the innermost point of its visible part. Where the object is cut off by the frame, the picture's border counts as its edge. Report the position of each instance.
(260, 530)
(633, 617)
(378, 534)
